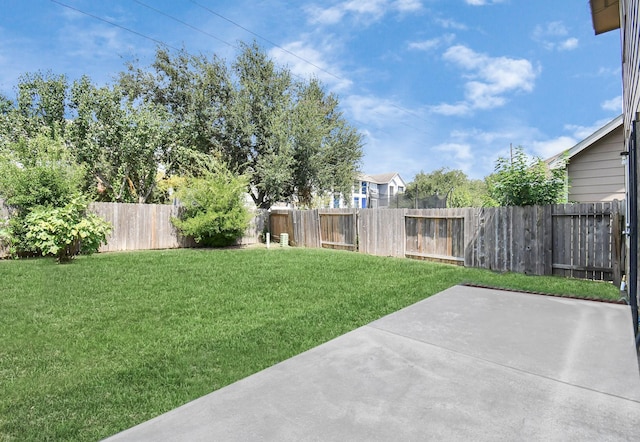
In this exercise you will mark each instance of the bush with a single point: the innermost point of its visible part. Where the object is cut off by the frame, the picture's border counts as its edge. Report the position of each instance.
(36, 172)
(67, 231)
(214, 213)
(524, 181)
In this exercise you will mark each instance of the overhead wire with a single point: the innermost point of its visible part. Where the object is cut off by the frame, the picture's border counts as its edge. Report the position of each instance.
(162, 43)
(114, 24)
(266, 39)
(185, 23)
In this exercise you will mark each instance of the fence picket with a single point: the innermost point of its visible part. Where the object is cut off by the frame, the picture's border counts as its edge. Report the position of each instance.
(578, 240)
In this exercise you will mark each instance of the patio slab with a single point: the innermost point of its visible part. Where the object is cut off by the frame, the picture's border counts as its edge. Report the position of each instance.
(467, 363)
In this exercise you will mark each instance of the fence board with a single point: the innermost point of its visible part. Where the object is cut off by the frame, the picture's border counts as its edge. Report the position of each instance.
(435, 234)
(579, 240)
(338, 229)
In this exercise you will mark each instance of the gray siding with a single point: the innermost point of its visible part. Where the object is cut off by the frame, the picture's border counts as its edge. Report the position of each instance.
(597, 174)
(630, 26)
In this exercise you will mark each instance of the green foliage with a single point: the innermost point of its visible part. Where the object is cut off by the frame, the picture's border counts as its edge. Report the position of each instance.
(121, 142)
(214, 212)
(42, 100)
(287, 137)
(35, 172)
(459, 190)
(66, 231)
(525, 181)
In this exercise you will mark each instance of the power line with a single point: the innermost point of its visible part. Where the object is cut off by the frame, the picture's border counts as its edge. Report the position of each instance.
(185, 23)
(267, 40)
(114, 24)
(161, 43)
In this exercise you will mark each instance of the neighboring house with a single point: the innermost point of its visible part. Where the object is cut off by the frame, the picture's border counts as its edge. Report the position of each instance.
(594, 168)
(373, 191)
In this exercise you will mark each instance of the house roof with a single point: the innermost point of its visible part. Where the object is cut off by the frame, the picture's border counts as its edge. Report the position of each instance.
(605, 15)
(382, 178)
(559, 159)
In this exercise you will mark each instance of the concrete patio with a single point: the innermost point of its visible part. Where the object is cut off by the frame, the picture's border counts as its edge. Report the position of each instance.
(465, 364)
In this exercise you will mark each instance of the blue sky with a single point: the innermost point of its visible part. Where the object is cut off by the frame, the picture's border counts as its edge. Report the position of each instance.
(429, 83)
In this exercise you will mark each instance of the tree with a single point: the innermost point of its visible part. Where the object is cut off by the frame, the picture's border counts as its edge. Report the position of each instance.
(287, 137)
(122, 143)
(454, 185)
(42, 101)
(196, 94)
(525, 181)
(327, 150)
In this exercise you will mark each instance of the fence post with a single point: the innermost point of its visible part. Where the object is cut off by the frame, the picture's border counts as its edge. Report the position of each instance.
(617, 243)
(547, 230)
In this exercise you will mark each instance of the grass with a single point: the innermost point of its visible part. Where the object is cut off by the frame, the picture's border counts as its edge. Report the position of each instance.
(94, 347)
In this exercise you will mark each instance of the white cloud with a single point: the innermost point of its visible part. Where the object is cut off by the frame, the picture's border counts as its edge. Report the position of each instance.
(427, 45)
(458, 155)
(489, 80)
(407, 5)
(614, 105)
(458, 109)
(568, 45)
(372, 110)
(582, 132)
(310, 61)
(483, 2)
(549, 148)
(551, 29)
(451, 24)
(327, 16)
(366, 11)
(552, 36)
(457, 150)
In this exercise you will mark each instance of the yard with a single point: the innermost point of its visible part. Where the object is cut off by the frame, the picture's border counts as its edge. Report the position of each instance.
(94, 347)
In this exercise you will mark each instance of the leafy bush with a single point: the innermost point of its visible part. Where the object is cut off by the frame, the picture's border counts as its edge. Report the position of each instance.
(38, 172)
(67, 231)
(524, 181)
(214, 213)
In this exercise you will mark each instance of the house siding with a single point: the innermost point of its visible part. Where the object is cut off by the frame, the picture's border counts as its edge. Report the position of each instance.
(630, 58)
(597, 173)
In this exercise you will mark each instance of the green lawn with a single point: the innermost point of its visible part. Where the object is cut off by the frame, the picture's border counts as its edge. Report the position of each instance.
(93, 347)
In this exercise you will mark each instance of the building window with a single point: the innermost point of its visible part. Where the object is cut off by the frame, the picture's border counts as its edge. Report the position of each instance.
(391, 190)
(356, 202)
(400, 189)
(364, 188)
(336, 202)
(364, 203)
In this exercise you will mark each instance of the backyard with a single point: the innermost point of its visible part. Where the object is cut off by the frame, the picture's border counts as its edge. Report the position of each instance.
(91, 348)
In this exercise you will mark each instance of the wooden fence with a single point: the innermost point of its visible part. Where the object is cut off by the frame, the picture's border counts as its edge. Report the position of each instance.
(577, 240)
(148, 226)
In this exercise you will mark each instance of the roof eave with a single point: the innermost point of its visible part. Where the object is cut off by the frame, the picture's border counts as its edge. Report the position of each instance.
(605, 15)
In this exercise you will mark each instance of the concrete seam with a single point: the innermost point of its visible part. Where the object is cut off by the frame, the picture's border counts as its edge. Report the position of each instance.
(501, 365)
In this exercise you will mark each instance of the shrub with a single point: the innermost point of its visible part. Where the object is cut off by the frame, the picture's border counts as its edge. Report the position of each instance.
(35, 172)
(525, 181)
(64, 232)
(214, 213)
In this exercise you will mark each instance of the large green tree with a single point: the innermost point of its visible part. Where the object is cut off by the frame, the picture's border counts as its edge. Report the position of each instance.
(525, 181)
(121, 142)
(288, 137)
(454, 185)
